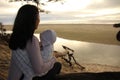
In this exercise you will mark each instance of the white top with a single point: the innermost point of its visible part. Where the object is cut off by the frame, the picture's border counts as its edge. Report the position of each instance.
(48, 37)
(28, 62)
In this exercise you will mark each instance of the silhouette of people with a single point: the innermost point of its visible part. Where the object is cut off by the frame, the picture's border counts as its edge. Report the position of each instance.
(26, 60)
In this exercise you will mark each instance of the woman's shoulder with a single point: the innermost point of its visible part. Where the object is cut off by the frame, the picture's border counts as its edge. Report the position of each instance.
(33, 41)
(35, 38)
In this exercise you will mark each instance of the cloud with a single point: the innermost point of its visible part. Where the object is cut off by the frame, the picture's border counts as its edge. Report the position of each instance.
(103, 4)
(8, 11)
(112, 3)
(7, 19)
(91, 11)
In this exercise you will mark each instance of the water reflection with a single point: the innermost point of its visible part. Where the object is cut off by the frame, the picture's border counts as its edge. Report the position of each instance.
(86, 52)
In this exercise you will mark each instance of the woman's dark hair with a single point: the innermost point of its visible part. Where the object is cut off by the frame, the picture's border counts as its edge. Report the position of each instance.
(24, 26)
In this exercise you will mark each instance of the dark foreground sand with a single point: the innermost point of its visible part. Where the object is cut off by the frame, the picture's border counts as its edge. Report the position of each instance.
(91, 72)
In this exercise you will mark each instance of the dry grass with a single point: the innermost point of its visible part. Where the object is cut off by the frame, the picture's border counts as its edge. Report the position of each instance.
(4, 60)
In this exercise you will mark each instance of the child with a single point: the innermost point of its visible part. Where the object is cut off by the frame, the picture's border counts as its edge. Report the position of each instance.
(47, 38)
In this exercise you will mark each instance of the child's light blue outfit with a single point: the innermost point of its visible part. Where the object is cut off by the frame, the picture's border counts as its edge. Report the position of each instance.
(48, 37)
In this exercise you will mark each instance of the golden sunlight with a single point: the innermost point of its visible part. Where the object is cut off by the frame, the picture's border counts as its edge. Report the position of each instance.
(69, 5)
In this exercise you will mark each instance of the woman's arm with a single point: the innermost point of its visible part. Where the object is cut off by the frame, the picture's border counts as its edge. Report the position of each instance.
(38, 65)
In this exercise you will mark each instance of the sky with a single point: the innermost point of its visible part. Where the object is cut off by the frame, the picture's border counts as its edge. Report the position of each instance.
(71, 11)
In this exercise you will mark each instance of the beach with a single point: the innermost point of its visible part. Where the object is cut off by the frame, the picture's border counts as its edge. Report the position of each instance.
(102, 35)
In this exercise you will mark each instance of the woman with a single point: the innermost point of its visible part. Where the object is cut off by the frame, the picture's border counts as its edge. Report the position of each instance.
(26, 59)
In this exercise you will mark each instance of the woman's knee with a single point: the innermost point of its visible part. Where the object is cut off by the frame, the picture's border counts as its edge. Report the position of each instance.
(58, 66)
